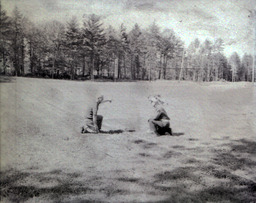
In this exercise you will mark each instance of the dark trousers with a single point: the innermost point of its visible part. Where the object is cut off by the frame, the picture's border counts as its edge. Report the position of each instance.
(99, 121)
(90, 124)
(160, 127)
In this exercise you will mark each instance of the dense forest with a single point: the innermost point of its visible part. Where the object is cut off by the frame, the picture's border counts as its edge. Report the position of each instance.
(89, 50)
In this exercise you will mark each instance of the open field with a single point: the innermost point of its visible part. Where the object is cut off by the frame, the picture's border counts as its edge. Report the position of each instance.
(210, 158)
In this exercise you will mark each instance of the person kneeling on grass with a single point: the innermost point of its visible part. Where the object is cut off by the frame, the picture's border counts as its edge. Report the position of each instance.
(160, 123)
(93, 121)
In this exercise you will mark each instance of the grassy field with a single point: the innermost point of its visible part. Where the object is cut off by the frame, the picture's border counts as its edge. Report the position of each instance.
(45, 158)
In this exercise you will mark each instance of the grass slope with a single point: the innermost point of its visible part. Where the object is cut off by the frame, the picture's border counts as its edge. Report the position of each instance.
(44, 158)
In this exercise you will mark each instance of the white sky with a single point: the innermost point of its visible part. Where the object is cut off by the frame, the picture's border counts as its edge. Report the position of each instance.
(190, 19)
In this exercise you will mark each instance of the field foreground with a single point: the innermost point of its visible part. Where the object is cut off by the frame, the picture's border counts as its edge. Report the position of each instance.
(44, 158)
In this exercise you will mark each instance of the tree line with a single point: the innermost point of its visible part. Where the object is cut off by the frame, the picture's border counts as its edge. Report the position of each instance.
(74, 51)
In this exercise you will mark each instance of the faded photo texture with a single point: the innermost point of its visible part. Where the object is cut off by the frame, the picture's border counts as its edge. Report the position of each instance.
(127, 101)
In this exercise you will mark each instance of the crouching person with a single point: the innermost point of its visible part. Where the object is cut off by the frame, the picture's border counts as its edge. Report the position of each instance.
(160, 123)
(93, 121)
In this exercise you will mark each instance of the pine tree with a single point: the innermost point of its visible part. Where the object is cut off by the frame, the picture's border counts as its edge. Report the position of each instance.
(35, 46)
(31, 36)
(194, 57)
(205, 66)
(170, 46)
(135, 47)
(17, 42)
(234, 62)
(5, 31)
(72, 45)
(247, 62)
(216, 56)
(124, 48)
(153, 49)
(112, 51)
(93, 40)
(222, 66)
(55, 37)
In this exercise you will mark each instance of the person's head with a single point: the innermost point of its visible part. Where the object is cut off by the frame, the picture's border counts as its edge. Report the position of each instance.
(156, 100)
(153, 100)
(100, 99)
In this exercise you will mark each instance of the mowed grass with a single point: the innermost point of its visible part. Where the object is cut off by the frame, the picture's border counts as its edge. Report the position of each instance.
(44, 158)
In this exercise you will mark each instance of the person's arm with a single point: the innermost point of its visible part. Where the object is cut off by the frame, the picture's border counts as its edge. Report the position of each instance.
(95, 113)
(106, 101)
(158, 115)
(161, 113)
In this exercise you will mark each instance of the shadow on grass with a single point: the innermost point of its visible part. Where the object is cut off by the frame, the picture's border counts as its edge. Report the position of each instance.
(177, 183)
(245, 146)
(233, 162)
(171, 154)
(193, 139)
(178, 147)
(212, 194)
(234, 179)
(177, 133)
(173, 134)
(232, 158)
(7, 178)
(226, 186)
(139, 141)
(129, 180)
(112, 131)
(15, 185)
(192, 161)
(54, 186)
(144, 155)
(144, 144)
(149, 145)
(118, 131)
(180, 173)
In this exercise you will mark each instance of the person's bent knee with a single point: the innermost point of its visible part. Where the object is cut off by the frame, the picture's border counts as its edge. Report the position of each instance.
(150, 120)
(99, 117)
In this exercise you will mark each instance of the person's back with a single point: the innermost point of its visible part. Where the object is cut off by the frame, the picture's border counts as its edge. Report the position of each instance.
(91, 110)
(160, 124)
(93, 121)
(161, 114)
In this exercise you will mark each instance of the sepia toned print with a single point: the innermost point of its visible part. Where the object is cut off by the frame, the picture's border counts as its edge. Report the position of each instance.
(127, 101)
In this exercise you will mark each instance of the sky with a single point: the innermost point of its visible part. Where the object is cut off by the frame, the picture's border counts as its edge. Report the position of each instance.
(231, 20)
